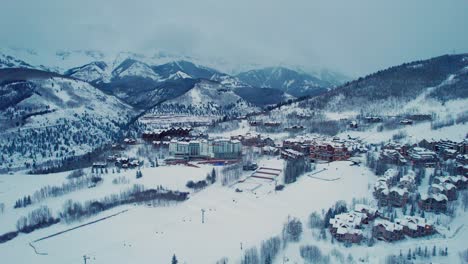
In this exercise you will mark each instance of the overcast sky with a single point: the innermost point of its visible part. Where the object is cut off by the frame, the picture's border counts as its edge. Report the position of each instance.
(355, 37)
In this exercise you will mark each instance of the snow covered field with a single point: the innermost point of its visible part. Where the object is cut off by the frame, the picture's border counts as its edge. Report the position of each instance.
(152, 235)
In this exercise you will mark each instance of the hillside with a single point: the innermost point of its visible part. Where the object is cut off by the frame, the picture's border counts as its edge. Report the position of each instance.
(411, 87)
(48, 117)
(207, 98)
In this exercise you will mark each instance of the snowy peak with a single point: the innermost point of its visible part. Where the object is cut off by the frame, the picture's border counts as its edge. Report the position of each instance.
(179, 75)
(7, 61)
(195, 71)
(207, 98)
(287, 80)
(134, 68)
(91, 72)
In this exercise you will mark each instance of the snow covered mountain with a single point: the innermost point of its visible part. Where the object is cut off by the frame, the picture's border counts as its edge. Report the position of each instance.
(143, 86)
(287, 80)
(45, 115)
(207, 98)
(436, 85)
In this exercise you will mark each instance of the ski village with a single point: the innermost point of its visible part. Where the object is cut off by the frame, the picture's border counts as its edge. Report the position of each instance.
(142, 158)
(262, 192)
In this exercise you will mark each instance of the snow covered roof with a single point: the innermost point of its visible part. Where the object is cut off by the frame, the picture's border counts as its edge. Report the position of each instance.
(351, 219)
(400, 191)
(412, 222)
(443, 186)
(344, 230)
(390, 174)
(408, 178)
(367, 208)
(436, 196)
(381, 186)
(389, 226)
(269, 148)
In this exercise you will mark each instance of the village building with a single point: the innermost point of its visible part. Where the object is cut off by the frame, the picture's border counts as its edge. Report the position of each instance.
(459, 181)
(414, 226)
(422, 156)
(387, 231)
(99, 165)
(254, 140)
(373, 119)
(406, 122)
(390, 177)
(345, 227)
(397, 196)
(271, 124)
(329, 151)
(217, 149)
(400, 148)
(353, 124)
(125, 162)
(446, 188)
(130, 141)
(370, 212)
(392, 156)
(433, 202)
(408, 181)
(291, 154)
(462, 159)
(271, 151)
(294, 128)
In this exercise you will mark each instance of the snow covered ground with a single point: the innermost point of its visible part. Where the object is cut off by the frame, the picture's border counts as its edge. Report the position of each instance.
(152, 235)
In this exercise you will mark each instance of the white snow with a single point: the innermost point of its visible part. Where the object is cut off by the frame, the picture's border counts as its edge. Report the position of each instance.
(231, 218)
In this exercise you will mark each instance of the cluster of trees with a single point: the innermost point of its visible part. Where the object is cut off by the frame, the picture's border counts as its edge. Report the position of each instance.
(312, 254)
(230, 174)
(464, 255)
(292, 230)
(461, 118)
(73, 211)
(210, 179)
(121, 180)
(269, 250)
(76, 174)
(25, 201)
(294, 168)
(45, 192)
(416, 253)
(139, 174)
(375, 164)
(38, 218)
(196, 185)
(227, 111)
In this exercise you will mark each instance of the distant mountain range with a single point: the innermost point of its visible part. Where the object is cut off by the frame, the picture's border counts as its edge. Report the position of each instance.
(142, 81)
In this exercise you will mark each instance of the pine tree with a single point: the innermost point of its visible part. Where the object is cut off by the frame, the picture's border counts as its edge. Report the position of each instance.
(434, 251)
(174, 259)
(409, 254)
(268, 259)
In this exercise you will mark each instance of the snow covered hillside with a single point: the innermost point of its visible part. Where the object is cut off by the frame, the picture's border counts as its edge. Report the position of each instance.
(435, 86)
(49, 117)
(207, 98)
